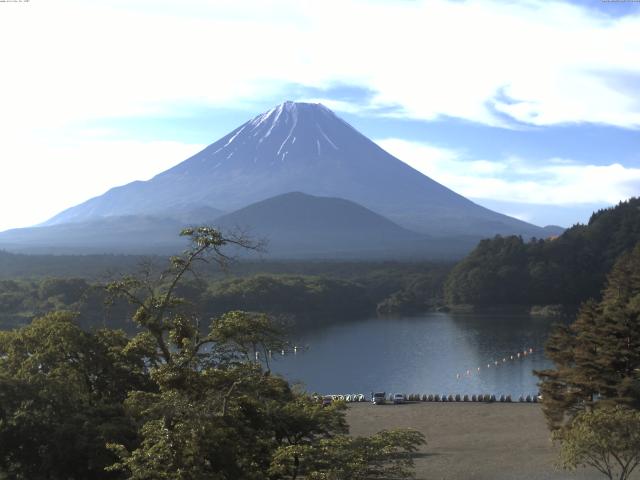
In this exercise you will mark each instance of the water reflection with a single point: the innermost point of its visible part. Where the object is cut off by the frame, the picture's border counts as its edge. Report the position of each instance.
(426, 354)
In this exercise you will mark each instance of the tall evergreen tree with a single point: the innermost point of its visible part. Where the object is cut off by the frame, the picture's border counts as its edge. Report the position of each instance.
(597, 358)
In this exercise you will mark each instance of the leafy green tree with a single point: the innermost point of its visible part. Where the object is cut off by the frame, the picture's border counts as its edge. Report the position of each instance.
(387, 454)
(174, 401)
(246, 336)
(218, 413)
(61, 394)
(597, 358)
(607, 439)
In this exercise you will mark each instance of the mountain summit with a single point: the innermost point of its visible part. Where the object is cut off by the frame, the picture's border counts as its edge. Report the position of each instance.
(300, 147)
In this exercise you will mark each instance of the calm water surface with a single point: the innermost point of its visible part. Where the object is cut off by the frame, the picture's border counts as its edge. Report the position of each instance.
(425, 354)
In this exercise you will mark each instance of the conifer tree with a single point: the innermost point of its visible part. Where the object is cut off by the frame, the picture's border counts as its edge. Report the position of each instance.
(597, 358)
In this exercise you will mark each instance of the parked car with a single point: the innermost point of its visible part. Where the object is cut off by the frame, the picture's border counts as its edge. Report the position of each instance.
(378, 398)
(326, 400)
(398, 398)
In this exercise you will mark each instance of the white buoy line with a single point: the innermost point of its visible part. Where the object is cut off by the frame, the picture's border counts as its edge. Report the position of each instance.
(282, 353)
(527, 352)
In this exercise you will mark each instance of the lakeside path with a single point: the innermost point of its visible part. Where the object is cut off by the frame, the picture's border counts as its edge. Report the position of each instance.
(479, 441)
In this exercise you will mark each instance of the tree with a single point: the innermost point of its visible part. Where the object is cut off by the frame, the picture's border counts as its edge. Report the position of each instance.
(607, 439)
(218, 413)
(387, 454)
(597, 358)
(567, 270)
(178, 400)
(61, 394)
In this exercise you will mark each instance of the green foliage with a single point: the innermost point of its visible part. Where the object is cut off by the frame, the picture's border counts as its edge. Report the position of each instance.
(61, 396)
(387, 454)
(172, 402)
(343, 290)
(566, 270)
(597, 358)
(23, 300)
(305, 298)
(607, 439)
(421, 292)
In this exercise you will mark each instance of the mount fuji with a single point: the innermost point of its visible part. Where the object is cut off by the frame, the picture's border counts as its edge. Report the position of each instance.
(293, 147)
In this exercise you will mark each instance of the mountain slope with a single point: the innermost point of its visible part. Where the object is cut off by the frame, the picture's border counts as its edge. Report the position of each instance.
(297, 224)
(302, 147)
(132, 234)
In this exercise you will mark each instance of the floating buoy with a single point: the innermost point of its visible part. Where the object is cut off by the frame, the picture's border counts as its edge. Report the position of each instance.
(478, 368)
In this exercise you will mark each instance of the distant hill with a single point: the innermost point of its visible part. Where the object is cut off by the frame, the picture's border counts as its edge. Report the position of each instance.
(306, 148)
(300, 225)
(566, 270)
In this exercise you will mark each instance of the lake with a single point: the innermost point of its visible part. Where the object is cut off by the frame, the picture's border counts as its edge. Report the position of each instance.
(433, 353)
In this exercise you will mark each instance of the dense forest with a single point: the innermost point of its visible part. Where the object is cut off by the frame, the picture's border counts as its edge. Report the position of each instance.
(567, 270)
(298, 299)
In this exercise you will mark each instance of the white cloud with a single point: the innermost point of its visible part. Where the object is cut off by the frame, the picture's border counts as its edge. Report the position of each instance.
(515, 180)
(76, 60)
(66, 62)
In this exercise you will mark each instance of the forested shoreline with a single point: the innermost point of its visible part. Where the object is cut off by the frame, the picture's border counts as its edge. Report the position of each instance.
(298, 300)
(565, 270)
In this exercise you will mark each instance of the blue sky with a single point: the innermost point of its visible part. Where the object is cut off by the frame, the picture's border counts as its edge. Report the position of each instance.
(531, 108)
